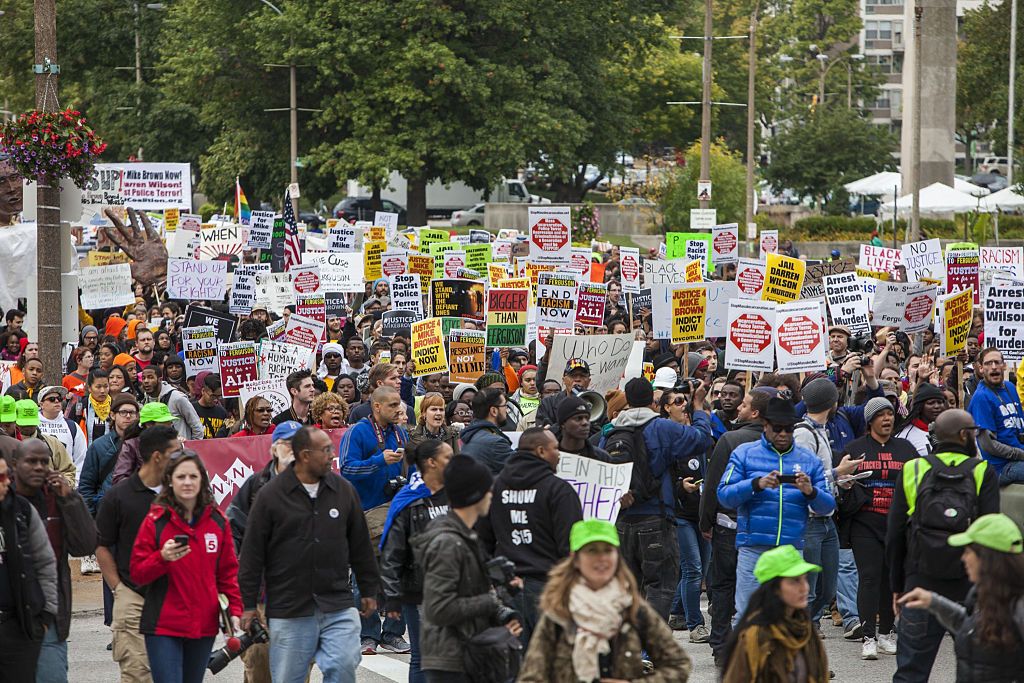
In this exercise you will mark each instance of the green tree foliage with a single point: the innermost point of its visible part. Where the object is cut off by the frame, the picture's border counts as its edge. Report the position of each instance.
(728, 183)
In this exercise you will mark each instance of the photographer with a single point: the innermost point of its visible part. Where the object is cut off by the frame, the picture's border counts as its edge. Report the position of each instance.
(458, 601)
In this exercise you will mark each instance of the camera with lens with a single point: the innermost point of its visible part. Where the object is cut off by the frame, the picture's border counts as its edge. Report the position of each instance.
(501, 572)
(394, 486)
(687, 385)
(862, 343)
(222, 657)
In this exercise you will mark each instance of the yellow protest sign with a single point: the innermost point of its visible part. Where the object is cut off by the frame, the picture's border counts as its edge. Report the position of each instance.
(422, 265)
(689, 309)
(514, 283)
(694, 271)
(106, 258)
(784, 276)
(372, 252)
(956, 321)
(171, 217)
(428, 347)
(376, 233)
(649, 371)
(876, 274)
(496, 272)
(533, 271)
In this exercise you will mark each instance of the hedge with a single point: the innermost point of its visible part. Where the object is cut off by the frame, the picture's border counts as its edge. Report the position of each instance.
(817, 228)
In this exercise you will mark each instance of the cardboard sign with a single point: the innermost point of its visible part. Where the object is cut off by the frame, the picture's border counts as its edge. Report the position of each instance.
(279, 359)
(768, 244)
(399, 323)
(274, 390)
(814, 284)
(467, 360)
(306, 279)
(920, 306)
(784, 277)
(550, 234)
(106, 286)
(607, 355)
(407, 293)
(339, 272)
(691, 246)
(748, 344)
(956, 321)
(689, 310)
(962, 268)
(199, 345)
(847, 304)
(506, 317)
(1004, 320)
(800, 338)
(171, 218)
(196, 280)
(457, 298)
(223, 323)
(237, 366)
(629, 269)
(1007, 259)
(591, 301)
(387, 219)
(750, 276)
(428, 348)
(304, 331)
(725, 240)
(599, 485)
(556, 300)
(880, 259)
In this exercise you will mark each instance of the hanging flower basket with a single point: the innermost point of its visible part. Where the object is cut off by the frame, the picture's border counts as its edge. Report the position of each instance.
(586, 224)
(49, 146)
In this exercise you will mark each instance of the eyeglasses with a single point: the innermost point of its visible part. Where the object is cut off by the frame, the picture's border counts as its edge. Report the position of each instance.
(789, 429)
(127, 413)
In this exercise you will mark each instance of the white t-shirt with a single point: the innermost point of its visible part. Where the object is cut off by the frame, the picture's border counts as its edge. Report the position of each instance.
(74, 444)
(311, 489)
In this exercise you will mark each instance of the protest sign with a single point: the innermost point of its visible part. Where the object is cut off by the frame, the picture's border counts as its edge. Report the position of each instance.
(748, 342)
(171, 218)
(689, 309)
(466, 357)
(105, 258)
(629, 269)
(478, 256)
(387, 219)
(278, 359)
(244, 288)
(306, 279)
(479, 237)
(800, 338)
(1004, 320)
(501, 250)
(1008, 259)
(506, 317)
(847, 304)
(768, 244)
(428, 348)
(143, 186)
(453, 262)
(814, 286)
(956, 321)
(335, 305)
(399, 323)
(393, 263)
(341, 239)
(784, 277)
(274, 290)
(880, 259)
(223, 323)
(199, 345)
(917, 314)
(339, 272)
(550, 234)
(923, 260)
(599, 485)
(106, 286)
(237, 366)
(438, 251)
(579, 262)
(261, 227)
(196, 280)
(496, 272)
(661, 311)
(607, 355)
(694, 271)
(719, 293)
(725, 244)
(429, 236)
(515, 283)
(457, 298)
(591, 300)
(372, 253)
(962, 268)
(221, 241)
(304, 331)
(889, 304)
(407, 294)
(422, 265)
(275, 330)
(750, 274)
(275, 390)
(556, 300)
(703, 219)
(664, 272)
(312, 306)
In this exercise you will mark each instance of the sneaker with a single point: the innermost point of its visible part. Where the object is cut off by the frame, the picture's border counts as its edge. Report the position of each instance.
(395, 644)
(869, 649)
(887, 644)
(700, 634)
(368, 646)
(677, 622)
(89, 565)
(855, 632)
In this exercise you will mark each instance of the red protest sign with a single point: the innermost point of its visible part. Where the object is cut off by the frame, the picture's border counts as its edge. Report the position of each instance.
(237, 366)
(590, 304)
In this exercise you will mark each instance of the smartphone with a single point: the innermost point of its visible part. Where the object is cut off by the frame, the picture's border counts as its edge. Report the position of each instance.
(787, 478)
(181, 540)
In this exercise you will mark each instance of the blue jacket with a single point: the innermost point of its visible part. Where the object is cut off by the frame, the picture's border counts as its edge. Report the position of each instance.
(100, 454)
(772, 517)
(483, 441)
(361, 460)
(999, 411)
(846, 424)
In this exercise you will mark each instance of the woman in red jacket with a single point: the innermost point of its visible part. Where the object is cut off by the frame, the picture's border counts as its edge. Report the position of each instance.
(180, 614)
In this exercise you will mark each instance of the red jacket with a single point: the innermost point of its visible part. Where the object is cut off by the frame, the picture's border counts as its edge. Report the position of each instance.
(181, 596)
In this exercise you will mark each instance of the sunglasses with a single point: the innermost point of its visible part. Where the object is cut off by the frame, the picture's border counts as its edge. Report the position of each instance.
(5, 477)
(789, 429)
(332, 355)
(678, 401)
(51, 399)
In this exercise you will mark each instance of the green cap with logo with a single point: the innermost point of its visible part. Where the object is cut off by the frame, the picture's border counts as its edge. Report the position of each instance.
(782, 561)
(155, 412)
(8, 413)
(996, 531)
(591, 531)
(26, 413)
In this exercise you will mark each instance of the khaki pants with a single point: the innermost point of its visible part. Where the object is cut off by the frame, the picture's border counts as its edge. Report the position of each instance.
(129, 648)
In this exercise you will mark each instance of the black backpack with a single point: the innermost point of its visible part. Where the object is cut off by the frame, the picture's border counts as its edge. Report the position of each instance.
(626, 444)
(947, 503)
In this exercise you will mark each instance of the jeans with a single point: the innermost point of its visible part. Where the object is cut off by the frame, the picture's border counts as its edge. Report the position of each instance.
(722, 586)
(370, 626)
(18, 655)
(411, 616)
(821, 547)
(330, 639)
(650, 548)
(874, 597)
(526, 603)
(746, 584)
(1013, 473)
(919, 635)
(178, 660)
(693, 553)
(53, 658)
(846, 588)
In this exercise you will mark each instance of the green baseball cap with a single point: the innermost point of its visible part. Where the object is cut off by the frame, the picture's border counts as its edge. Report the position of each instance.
(782, 561)
(995, 531)
(591, 531)
(8, 413)
(155, 412)
(26, 413)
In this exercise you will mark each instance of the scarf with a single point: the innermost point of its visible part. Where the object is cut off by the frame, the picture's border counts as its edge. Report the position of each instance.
(770, 651)
(408, 494)
(598, 617)
(102, 409)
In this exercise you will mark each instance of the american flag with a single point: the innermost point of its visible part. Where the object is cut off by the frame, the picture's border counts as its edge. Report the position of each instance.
(292, 249)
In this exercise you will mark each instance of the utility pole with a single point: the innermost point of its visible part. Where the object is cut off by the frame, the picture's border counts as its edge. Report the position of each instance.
(293, 143)
(915, 131)
(751, 68)
(1012, 92)
(138, 72)
(48, 229)
(705, 111)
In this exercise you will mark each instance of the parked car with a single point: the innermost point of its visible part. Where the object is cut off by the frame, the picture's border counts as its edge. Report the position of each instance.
(993, 165)
(470, 216)
(993, 180)
(361, 209)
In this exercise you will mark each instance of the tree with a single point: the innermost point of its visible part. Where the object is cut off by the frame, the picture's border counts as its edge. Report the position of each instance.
(728, 183)
(834, 145)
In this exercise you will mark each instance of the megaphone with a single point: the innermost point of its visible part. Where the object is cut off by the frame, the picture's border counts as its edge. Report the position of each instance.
(596, 403)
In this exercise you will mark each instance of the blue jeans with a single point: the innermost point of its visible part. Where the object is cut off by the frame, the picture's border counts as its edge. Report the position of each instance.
(53, 658)
(178, 660)
(411, 616)
(821, 547)
(370, 626)
(920, 636)
(1013, 473)
(846, 588)
(694, 550)
(746, 584)
(330, 639)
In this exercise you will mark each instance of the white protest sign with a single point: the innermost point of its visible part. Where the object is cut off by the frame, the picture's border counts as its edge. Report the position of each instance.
(750, 275)
(394, 263)
(388, 219)
(719, 294)
(342, 238)
(768, 244)
(339, 272)
(579, 262)
(261, 226)
(889, 303)
(697, 250)
(199, 345)
(304, 331)
(550, 234)
(274, 390)
(306, 279)
(407, 294)
(924, 260)
(1004, 320)
(279, 359)
(800, 338)
(556, 300)
(629, 269)
(847, 303)
(661, 311)
(748, 341)
(244, 289)
(185, 241)
(920, 306)
(607, 355)
(274, 290)
(879, 259)
(106, 286)
(219, 240)
(1008, 259)
(665, 272)
(454, 262)
(725, 240)
(600, 486)
(196, 280)
(144, 186)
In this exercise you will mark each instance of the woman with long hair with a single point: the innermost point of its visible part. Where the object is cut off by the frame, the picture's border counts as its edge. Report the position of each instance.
(433, 423)
(257, 418)
(775, 641)
(121, 382)
(988, 630)
(594, 622)
(185, 554)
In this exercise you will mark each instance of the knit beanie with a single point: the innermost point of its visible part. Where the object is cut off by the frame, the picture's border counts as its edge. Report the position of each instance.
(466, 481)
(874, 407)
(489, 378)
(925, 392)
(87, 329)
(820, 395)
(693, 361)
(571, 406)
(639, 393)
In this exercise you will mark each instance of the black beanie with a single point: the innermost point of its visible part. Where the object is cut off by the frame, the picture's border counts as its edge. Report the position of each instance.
(924, 392)
(466, 481)
(570, 406)
(639, 393)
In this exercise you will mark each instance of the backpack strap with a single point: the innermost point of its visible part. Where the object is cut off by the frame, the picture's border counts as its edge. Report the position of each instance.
(814, 432)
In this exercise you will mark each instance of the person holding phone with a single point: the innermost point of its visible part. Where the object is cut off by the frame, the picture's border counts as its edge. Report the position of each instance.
(184, 556)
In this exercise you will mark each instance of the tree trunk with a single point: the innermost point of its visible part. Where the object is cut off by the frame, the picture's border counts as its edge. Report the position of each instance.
(416, 198)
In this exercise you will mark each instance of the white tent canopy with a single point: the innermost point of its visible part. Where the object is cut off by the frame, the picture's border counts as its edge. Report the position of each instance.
(1004, 200)
(888, 183)
(937, 199)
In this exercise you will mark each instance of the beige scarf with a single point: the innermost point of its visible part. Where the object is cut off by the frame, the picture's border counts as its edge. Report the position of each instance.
(598, 617)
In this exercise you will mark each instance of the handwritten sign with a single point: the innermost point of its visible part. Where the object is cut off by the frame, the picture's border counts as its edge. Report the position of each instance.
(600, 485)
(274, 390)
(106, 286)
(196, 280)
(607, 355)
(279, 359)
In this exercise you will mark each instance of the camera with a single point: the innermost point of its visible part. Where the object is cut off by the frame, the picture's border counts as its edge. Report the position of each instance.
(862, 343)
(222, 657)
(501, 571)
(687, 385)
(394, 486)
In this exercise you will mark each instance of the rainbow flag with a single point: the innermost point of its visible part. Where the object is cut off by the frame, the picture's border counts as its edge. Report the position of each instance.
(242, 211)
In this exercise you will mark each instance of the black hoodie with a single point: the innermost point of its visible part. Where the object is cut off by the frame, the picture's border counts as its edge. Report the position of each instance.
(531, 515)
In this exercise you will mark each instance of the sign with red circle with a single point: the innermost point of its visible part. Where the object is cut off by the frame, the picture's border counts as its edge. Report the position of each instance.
(724, 242)
(750, 280)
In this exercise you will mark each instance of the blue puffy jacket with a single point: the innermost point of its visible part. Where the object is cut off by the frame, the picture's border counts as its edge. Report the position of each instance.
(97, 457)
(772, 517)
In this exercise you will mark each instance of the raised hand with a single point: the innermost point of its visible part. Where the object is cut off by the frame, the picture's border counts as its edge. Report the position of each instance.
(142, 244)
